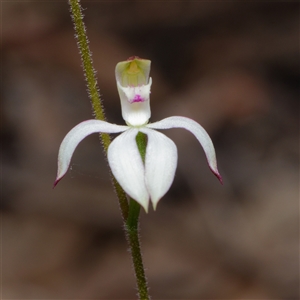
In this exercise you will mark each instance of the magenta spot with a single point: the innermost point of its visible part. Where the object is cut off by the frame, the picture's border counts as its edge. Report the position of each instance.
(137, 98)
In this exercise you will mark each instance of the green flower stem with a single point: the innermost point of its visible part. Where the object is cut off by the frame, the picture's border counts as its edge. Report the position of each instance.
(130, 212)
(89, 72)
(132, 221)
(132, 229)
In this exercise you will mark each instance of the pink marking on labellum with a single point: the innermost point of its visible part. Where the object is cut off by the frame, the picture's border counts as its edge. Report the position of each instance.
(137, 98)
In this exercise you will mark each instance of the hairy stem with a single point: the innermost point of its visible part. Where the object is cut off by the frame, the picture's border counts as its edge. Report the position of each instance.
(132, 229)
(130, 213)
(89, 72)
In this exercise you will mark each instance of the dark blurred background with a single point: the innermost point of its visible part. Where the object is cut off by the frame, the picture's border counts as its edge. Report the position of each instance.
(231, 66)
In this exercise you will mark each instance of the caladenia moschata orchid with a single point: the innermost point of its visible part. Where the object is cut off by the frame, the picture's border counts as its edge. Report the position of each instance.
(143, 179)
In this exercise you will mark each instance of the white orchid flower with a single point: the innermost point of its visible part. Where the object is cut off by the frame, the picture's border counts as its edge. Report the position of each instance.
(151, 179)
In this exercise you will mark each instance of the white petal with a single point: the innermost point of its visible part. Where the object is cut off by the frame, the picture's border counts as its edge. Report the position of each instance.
(200, 134)
(75, 136)
(135, 103)
(127, 166)
(160, 164)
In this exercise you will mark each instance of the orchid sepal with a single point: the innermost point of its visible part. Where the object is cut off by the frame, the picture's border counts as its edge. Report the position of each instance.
(127, 166)
(198, 131)
(75, 136)
(160, 164)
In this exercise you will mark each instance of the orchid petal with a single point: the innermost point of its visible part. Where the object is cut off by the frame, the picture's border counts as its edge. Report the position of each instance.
(160, 164)
(127, 166)
(75, 136)
(200, 134)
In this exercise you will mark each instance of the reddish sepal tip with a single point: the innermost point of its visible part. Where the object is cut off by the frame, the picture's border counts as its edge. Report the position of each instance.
(217, 174)
(56, 182)
(220, 178)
